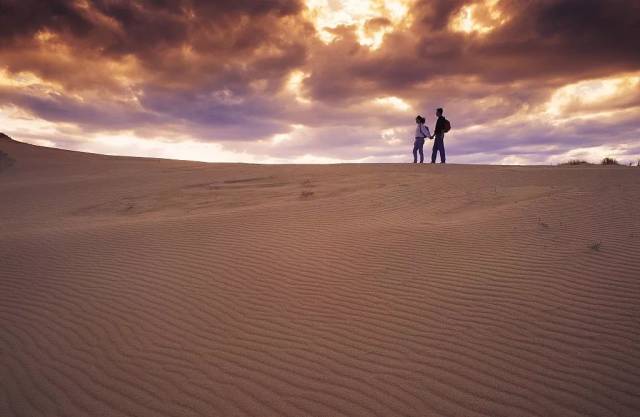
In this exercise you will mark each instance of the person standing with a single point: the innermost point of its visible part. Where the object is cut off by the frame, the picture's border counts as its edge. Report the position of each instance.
(439, 131)
(422, 132)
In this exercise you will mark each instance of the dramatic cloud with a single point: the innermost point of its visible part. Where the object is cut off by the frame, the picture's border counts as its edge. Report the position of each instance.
(323, 80)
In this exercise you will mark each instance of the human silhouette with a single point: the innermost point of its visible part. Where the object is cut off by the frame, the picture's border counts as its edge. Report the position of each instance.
(420, 135)
(439, 131)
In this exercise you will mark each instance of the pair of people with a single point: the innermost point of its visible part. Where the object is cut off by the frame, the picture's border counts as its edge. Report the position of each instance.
(422, 132)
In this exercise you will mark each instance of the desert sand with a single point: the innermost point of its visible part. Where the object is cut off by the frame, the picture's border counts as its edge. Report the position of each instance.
(147, 287)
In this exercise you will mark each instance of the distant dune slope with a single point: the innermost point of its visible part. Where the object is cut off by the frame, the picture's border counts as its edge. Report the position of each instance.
(142, 287)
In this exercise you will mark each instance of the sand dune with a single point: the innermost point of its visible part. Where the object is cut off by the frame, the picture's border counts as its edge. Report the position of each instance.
(142, 287)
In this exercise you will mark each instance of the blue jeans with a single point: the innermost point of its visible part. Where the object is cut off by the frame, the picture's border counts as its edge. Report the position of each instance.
(417, 147)
(438, 145)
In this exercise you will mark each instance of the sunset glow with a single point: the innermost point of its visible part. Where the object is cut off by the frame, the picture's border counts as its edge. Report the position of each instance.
(595, 94)
(394, 102)
(360, 14)
(482, 17)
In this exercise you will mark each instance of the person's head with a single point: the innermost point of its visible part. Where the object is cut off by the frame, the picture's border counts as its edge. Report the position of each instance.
(420, 119)
(439, 111)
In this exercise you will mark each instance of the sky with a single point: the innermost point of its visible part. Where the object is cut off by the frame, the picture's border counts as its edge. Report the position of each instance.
(323, 81)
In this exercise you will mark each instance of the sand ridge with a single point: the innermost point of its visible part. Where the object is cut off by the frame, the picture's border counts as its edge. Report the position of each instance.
(145, 287)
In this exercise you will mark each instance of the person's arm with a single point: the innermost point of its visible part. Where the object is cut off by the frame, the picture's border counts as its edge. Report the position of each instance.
(428, 132)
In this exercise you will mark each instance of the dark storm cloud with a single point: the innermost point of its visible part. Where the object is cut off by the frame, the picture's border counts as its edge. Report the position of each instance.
(189, 54)
(435, 14)
(142, 23)
(105, 116)
(566, 38)
(226, 116)
(220, 33)
(563, 39)
(23, 18)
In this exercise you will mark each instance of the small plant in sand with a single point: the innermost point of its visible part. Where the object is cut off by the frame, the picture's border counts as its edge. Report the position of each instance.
(575, 162)
(5, 160)
(595, 246)
(542, 224)
(306, 194)
(609, 161)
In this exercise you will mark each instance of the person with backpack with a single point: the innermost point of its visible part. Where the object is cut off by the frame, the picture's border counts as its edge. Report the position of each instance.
(442, 127)
(422, 132)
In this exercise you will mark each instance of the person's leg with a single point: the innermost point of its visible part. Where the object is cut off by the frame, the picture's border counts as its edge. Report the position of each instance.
(421, 150)
(415, 152)
(434, 151)
(442, 156)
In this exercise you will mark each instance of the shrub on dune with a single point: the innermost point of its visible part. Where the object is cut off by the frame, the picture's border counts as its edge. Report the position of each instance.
(575, 162)
(609, 161)
(5, 160)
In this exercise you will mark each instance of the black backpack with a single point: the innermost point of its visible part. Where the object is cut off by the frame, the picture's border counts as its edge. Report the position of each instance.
(447, 125)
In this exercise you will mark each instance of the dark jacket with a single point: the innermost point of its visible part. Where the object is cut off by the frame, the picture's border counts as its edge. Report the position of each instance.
(439, 129)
